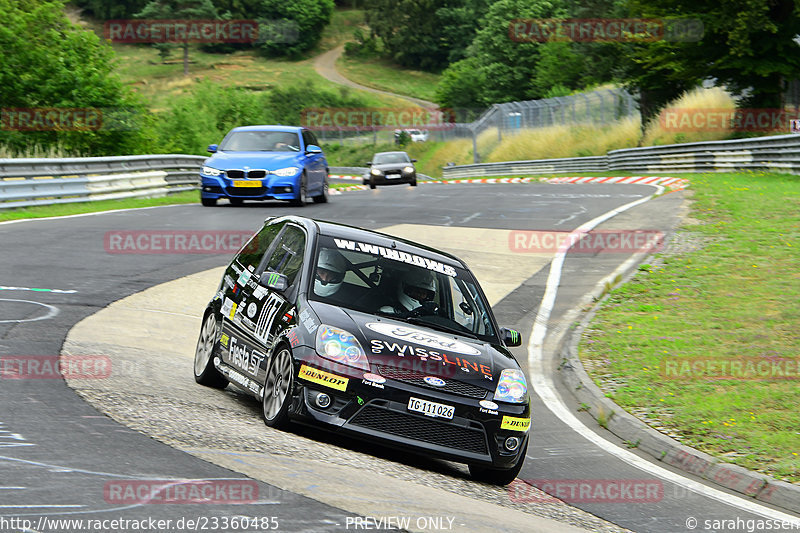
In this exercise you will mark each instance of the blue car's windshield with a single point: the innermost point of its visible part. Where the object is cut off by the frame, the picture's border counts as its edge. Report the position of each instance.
(261, 141)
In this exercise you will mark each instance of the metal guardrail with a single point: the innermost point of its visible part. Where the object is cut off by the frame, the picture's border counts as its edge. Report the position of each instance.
(30, 182)
(777, 153)
(780, 152)
(516, 168)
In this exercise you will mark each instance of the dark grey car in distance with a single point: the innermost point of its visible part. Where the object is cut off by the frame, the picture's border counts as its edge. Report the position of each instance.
(390, 168)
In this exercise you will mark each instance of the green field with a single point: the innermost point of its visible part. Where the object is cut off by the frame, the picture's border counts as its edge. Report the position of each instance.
(727, 293)
(386, 76)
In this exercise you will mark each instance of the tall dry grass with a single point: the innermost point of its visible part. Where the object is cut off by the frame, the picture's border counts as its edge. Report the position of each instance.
(36, 151)
(577, 140)
(675, 122)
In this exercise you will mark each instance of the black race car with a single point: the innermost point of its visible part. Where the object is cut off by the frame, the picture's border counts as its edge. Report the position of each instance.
(366, 333)
(390, 168)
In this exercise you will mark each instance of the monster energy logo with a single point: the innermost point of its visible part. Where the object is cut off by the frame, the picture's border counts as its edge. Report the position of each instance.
(514, 336)
(273, 279)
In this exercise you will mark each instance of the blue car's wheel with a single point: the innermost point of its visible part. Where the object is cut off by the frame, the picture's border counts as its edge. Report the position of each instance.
(302, 197)
(323, 196)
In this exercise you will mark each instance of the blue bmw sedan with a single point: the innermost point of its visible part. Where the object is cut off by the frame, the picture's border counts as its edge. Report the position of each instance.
(265, 163)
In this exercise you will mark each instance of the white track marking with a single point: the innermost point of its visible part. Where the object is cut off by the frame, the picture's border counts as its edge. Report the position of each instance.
(51, 311)
(58, 291)
(544, 387)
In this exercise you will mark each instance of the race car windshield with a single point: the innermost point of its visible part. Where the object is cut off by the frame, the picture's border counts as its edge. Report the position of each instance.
(260, 141)
(385, 159)
(372, 279)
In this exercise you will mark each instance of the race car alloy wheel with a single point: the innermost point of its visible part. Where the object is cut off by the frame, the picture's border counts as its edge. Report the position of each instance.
(204, 371)
(276, 389)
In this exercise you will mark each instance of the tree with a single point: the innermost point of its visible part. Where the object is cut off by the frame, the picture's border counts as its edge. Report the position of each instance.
(747, 45)
(111, 9)
(425, 34)
(179, 10)
(508, 65)
(48, 62)
(293, 26)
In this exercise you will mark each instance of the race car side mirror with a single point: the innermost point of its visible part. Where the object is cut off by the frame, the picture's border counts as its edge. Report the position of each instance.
(510, 337)
(273, 280)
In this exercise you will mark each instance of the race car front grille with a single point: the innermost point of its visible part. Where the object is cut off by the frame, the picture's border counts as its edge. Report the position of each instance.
(417, 378)
(247, 191)
(424, 429)
(236, 174)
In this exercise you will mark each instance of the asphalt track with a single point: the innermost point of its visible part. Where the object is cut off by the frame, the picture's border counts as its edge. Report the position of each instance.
(57, 453)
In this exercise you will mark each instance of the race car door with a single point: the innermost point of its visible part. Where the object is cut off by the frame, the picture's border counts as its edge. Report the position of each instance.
(265, 312)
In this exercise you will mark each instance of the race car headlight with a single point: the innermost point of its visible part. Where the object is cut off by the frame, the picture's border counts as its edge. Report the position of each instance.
(341, 346)
(208, 171)
(285, 172)
(512, 387)
(375, 172)
(408, 170)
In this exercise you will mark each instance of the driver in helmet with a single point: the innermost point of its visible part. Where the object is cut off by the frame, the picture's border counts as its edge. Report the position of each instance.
(330, 272)
(416, 289)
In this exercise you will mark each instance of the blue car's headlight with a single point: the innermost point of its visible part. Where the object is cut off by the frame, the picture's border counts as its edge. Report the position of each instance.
(341, 346)
(285, 172)
(512, 387)
(208, 171)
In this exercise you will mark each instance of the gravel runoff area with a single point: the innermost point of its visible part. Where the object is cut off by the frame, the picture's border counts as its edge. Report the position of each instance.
(151, 390)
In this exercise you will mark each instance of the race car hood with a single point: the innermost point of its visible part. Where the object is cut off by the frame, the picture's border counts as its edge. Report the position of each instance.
(419, 350)
(254, 160)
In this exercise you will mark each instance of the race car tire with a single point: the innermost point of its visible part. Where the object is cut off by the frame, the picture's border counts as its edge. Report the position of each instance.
(277, 388)
(236, 201)
(414, 182)
(496, 476)
(205, 373)
(323, 197)
(208, 202)
(371, 184)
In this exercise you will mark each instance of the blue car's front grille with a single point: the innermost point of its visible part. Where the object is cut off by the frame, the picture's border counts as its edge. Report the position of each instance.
(238, 174)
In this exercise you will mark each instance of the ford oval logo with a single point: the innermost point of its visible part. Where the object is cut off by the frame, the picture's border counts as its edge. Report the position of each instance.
(436, 382)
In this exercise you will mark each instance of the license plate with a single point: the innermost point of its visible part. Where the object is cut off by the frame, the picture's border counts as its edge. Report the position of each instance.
(430, 408)
(392, 176)
(242, 183)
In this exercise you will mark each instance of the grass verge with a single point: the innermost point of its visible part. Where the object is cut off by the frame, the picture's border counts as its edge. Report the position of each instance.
(44, 211)
(725, 293)
(386, 76)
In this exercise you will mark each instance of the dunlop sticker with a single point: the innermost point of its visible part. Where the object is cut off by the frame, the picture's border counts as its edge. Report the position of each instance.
(515, 424)
(323, 378)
